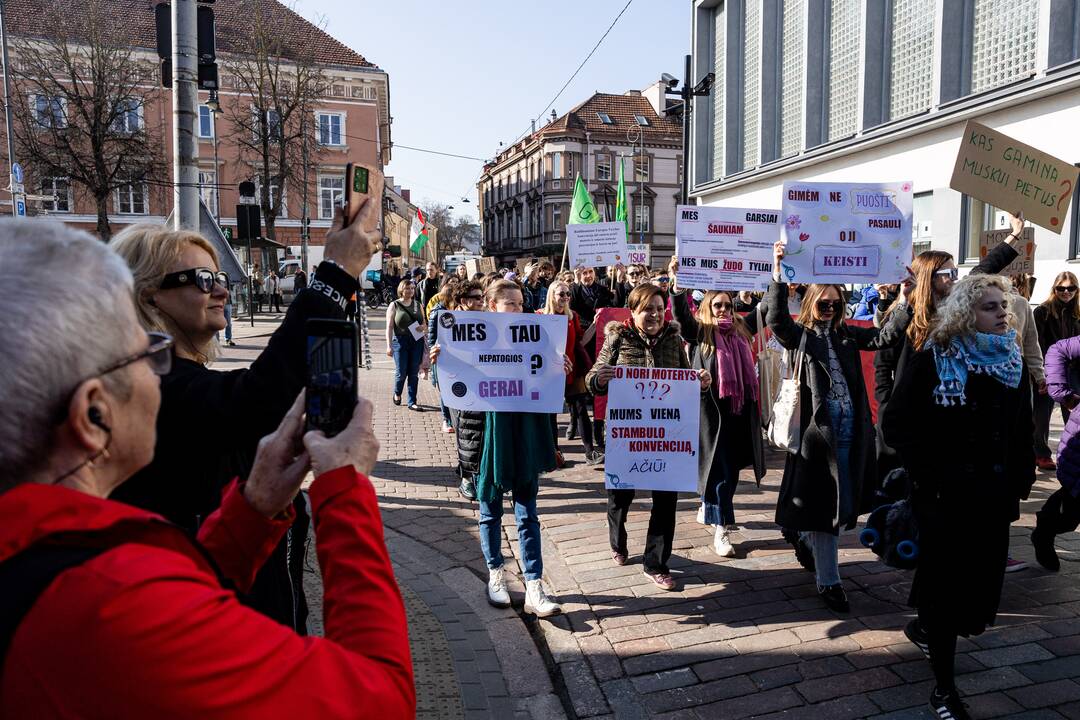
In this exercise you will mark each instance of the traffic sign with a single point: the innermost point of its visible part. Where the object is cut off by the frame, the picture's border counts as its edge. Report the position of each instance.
(17, 173)
(20, 206)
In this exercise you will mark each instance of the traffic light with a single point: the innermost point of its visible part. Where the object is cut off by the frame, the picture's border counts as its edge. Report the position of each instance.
(206, 44)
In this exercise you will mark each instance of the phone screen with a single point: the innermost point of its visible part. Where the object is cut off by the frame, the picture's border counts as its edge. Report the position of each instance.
(331, 381)
(360, 180)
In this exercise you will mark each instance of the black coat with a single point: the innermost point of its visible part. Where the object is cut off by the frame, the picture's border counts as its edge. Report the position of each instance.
(1051, 329)
(810, 491)
(585, 306)
(970, 466)
(716, 417)
(209, 427)
(469, 429)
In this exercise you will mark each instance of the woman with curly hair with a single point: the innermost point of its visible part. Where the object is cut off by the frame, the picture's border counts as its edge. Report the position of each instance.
(961, 420)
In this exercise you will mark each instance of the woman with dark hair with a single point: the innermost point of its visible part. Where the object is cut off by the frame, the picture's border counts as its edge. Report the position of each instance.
(442, 301)
(645, 340)
(960, 419)
(405, 330)
(828, 482)
(1057, 318)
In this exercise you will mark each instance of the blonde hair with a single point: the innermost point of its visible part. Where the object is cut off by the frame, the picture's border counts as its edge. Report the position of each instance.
(707, 321)
(813, 294)
(151, 251)
(1058, 308)
(549, 303)
(956, 316)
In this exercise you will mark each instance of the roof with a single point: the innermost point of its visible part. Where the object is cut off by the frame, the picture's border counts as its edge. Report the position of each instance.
(136, 17)
(621, 109)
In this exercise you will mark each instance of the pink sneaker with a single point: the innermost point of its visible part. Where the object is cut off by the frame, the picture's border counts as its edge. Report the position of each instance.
(662, 580)
(1012, 565)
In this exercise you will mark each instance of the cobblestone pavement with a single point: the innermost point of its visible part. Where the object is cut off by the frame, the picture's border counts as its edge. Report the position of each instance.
(745, 637)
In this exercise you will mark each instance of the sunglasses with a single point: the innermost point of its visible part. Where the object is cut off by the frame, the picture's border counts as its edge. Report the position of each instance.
(662, 279)
(1065, 288)
(951, 273)
(825, 306)
(721, 306)
(202, 278)
(477, 298)
(562, 294)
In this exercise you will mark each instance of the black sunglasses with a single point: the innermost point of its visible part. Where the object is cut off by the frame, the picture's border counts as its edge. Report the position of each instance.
(202, 278)
(824, 306)
(1065, 288)
(473, 297)
(721, 306)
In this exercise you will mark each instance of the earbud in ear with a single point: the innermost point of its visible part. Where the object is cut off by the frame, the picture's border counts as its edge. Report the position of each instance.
(94, 415)
(151, 302)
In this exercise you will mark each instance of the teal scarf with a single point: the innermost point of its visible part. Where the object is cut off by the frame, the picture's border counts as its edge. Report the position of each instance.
(517, 447)
(995, 355)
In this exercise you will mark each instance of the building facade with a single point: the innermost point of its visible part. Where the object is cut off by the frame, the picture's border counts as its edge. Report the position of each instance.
(398, 214)
(350, 122)
(860, 90)
(525, 193)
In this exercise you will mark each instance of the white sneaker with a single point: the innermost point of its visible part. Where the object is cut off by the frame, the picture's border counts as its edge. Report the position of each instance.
(537, 601)
(722, 542)
(496, 589)
(701, 514)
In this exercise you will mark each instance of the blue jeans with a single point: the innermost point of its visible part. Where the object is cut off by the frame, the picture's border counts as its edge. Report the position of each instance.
(720, 491)
(528, 525)
(826, 549)
(408, 354)
(228, 322)
(825, 546)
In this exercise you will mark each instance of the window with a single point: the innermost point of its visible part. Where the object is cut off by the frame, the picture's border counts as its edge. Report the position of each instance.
(331, 195)
(556, 217)
(128, 118)
(331, 128)
(556, 165)
(922, 228)
(912, 57)
(517, 221)
(792, 74)
(843, 69)
(49, 111)
(751, 83)
(206, 122)
(641, 219)
(605, 118)
(1003, 42)
(978, 218)
(641, 168)
(719, 107)
(60, 189)
(131, 199)
(603, 166)
(208, 189)
(642, 120)
(272, 125)
(277, 197)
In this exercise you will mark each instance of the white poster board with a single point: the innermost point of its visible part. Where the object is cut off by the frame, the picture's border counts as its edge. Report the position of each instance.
(638, 254)
(510, 362)
(596, 244)
(652, 426)
(725, 248)
(846, 232)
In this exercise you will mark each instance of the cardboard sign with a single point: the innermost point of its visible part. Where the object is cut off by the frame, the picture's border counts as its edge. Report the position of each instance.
(1015, 177)
(725, 248)
(596, 244)
(846, 232)
(638, 254)
(1025, 263)
(652, 429)
(502, 362)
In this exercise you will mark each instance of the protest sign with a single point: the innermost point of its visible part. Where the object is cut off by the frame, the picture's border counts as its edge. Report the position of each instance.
(487, 264)
(1025, 263)
(472, 266)
(846, 232)
(603, 317)
(638, 254)
(652, 429)
(1015, 177)
(725, 248)
(509, 362)
(596, 244)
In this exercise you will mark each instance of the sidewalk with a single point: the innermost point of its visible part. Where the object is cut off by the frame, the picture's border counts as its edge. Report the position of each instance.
(745, 637)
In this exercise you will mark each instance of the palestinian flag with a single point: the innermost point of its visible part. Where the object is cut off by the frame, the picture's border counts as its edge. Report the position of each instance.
(418, 232)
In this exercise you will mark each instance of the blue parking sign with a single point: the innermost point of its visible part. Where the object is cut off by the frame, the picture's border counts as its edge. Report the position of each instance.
(20, 208)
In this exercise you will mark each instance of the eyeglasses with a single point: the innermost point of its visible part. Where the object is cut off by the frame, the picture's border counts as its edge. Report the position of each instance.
(951, 273)
(1065, 288)
(202, 278)
(825, 306)
(157, 355)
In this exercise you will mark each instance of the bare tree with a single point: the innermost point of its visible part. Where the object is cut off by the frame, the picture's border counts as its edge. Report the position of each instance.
(80, 91)
(455, 234)
(278, 83)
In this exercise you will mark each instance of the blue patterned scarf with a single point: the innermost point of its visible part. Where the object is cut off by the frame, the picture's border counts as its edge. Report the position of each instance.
(995, 355)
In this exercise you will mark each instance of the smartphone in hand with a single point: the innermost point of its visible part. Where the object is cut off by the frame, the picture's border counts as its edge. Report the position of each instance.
(332, 360)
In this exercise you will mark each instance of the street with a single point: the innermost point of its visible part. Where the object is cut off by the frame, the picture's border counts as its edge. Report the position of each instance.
(745, 637)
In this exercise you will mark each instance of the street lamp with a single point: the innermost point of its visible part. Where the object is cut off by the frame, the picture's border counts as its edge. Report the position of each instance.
(687, 92)
(215, 110)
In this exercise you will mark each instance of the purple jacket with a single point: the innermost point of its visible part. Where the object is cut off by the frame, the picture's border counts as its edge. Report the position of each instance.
(1058, 358)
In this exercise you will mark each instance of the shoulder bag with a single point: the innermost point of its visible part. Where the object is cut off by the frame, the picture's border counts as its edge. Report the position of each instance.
(785, 429)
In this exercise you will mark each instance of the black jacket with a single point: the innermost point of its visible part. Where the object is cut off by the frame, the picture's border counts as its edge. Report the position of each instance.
(1051, 329)
(469, 427)
(209, 427)
(810, 490)
(586, 306)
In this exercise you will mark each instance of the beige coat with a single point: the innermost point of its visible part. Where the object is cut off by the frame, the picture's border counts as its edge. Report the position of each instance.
(1027, 337)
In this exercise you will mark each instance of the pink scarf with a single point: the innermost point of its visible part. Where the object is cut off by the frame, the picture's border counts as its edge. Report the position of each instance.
(735, 376)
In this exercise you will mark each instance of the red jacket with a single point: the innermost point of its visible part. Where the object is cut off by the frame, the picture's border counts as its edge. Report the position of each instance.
(145, 630)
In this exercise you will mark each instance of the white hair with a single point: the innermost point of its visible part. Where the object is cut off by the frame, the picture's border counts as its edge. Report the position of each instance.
(66, 313)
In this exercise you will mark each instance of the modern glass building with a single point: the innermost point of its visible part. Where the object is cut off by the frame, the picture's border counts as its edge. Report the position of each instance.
(879, 90)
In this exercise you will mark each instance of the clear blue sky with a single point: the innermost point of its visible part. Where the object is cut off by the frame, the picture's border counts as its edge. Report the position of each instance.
(463, 80)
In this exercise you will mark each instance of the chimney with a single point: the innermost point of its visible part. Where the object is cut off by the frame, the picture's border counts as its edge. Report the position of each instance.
(406, 194)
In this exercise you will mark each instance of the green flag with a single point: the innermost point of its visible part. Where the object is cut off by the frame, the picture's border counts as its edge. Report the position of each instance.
(620, 200)
(582, 209)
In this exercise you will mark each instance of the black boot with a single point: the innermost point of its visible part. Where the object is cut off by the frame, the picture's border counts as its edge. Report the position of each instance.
(835, 597)
(467, 488)
(1043, 541)
(803, 553)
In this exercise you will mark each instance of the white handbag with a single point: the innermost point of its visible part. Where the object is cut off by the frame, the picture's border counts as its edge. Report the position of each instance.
(785, 429)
